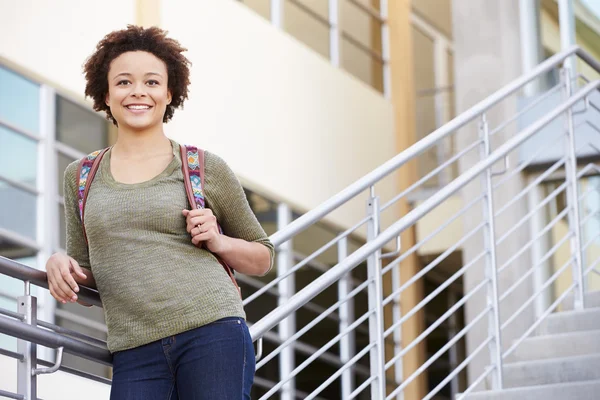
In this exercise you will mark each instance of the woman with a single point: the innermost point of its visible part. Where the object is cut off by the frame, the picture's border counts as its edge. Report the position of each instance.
(175, 320)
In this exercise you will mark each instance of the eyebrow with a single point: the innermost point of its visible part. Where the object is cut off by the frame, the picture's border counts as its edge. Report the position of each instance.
(128, 74)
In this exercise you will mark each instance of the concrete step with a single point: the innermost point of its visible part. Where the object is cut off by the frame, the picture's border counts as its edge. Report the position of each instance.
(589, 390)
(592, 300)
(570, 321)
(548, 372)
(556, 346)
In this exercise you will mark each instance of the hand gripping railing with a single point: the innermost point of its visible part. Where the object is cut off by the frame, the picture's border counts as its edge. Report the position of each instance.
(29, 331)
(381, 366)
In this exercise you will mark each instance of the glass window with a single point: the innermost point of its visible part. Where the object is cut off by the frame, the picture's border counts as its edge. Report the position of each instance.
(19, 101)
(18, 159)
(80, 128)
(17, 210)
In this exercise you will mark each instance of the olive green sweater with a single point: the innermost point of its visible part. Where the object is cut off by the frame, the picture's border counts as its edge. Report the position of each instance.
(152, 280)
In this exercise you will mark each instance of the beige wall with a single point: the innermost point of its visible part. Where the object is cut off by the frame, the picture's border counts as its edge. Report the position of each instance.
(284, 118)
(437, 13)
(57, 386)
(53, 38)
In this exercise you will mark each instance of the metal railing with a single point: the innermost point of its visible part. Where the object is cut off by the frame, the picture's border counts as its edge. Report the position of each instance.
(372, 299)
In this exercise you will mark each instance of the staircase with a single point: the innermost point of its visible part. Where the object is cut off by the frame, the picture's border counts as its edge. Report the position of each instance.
(562, 360)
(523, 325)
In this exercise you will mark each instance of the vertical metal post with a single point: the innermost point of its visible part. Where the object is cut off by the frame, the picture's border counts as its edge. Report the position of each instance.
(347, 342)
(26, 381)
(385, 48)
(335, 33)
(453, 352)
(491, 267)
(277, 13)
(48, 230)
(441, 83)
(397, 334)
(531, 46)
(287, 287)
(377, 354)
(573, 195)
(539, 248)
(566, 22)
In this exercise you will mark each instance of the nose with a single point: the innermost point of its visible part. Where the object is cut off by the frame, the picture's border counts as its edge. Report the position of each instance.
(138, 90)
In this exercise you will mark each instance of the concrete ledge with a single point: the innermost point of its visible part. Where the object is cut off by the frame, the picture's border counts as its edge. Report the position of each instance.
(570, 321)
(559, 345)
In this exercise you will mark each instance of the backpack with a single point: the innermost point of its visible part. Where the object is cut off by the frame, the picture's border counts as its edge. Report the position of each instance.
(192, 165)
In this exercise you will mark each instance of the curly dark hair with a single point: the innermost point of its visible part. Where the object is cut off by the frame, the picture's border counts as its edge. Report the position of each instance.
(136, 38)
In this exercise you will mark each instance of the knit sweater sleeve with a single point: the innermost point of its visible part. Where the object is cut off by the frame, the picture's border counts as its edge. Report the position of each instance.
(227, 200)
(76, 244)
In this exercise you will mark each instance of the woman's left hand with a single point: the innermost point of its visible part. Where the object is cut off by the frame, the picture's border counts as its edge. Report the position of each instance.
(202, 225)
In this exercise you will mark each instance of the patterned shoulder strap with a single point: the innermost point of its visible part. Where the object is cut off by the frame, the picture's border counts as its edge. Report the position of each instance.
(192, 160)
(192, 164)
(86, 172)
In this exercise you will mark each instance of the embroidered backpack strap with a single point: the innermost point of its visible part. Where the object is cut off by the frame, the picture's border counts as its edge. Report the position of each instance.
(192, 165)
(85, 174)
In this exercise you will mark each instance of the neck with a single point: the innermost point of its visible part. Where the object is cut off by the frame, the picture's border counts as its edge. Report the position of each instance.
(148, 142)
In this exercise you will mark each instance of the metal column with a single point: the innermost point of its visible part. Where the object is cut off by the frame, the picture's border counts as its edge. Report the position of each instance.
(491, 267)
(566, 21)
(531, 48)
(573, 194)
(287, 287)
(26, 380)
(335, 33)
(347, 342)
(377, 353)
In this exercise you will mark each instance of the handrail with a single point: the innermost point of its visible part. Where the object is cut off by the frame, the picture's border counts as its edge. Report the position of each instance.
(39, 278)
(328, 278)
(54, 340)
(314, 215)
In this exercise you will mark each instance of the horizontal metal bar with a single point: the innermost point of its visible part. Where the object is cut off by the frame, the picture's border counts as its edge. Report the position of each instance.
(54, 340)
(314, 255)
(441, 351)
(23, 272)
(71, 333)
(531, 270)
(314, 322)
(12, 354)
(431, 235)
(314, 356)
(591, 267)
(20, 131)
(362, 387)
(532, 185)
(538, 322)
(21, 186)
(434, 325)
(311, 12)
(339, 372)
(527, 216)
(350, 262)
(322, 267)
(477, 381)
(374, 54)
(11, 395)
(429, 175)
(421, 146)
(428, 298)
(537, 236)
(549, 282)
(11, 314)
(373, 13)
(432, 264)
(527, 108)
(458, 369)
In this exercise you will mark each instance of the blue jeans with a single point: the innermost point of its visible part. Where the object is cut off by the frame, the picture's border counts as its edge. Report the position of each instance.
(213, 362)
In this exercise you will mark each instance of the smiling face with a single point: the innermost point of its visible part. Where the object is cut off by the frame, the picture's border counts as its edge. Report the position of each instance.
(138, 92)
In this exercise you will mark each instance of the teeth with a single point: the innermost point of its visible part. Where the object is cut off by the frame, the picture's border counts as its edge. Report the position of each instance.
(138, 107)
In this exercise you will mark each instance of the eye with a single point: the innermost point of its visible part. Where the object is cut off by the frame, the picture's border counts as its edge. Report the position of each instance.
(153, 82)
(123, 82)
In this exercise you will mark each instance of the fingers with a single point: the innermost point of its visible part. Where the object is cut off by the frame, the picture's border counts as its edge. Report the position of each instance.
(202, 237)
(78, 270)
(61, 283)
(197, 212)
